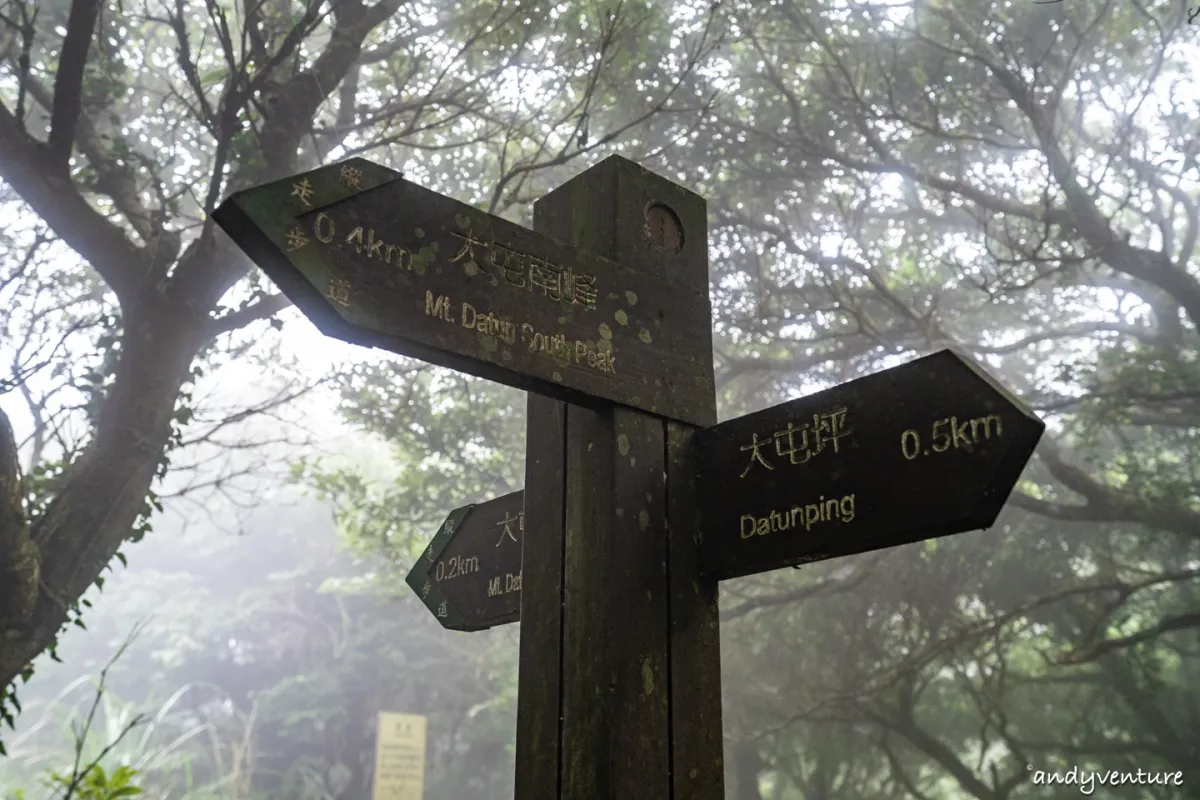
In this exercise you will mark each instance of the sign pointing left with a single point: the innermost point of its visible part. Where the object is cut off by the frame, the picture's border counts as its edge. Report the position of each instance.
(470, 574)
(373, 259)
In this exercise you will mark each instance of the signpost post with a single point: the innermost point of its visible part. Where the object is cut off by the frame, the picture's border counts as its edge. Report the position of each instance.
(470, 573)
(619, 686)
(635, 502)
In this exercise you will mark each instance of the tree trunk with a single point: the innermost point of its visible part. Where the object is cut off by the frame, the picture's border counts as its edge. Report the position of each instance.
(105, 489)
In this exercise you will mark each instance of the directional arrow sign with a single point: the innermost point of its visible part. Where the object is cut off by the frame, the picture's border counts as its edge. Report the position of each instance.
(376, 260)
(922, 450)
(470, 574)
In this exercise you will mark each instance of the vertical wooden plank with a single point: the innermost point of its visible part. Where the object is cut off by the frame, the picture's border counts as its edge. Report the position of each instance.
(697, 744)
(627, 698)
(616, 731)
(539, 679)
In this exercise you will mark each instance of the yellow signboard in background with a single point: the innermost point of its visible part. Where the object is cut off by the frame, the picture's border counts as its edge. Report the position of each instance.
(400, 757)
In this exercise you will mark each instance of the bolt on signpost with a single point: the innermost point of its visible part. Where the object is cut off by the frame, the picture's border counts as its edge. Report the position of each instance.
(635, 501)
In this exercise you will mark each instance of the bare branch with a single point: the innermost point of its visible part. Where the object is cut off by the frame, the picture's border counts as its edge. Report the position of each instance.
(68, 83)
(24, 163)
(264, 308)
(1176, 623)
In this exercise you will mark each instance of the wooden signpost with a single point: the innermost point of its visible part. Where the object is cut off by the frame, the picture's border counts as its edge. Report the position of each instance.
(470, 573)
(376, 260)
(926, 449)
(635, 501)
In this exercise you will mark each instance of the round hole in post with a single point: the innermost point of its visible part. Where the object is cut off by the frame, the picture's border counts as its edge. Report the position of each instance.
(663, 228)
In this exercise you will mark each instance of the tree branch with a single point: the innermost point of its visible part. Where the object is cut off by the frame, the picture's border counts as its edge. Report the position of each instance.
(19, 562)
(25, 164)
(1085, 217)
(1103, 503)
(266, 307)
(823, 589)
(116, 181)
(1177, 623)
(68, 83)
(902, 722)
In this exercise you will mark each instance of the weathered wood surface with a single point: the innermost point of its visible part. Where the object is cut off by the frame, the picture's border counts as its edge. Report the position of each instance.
(469, 575)
(405, 269)
(698, 768)
(930, 448)
(637, 655)
(616, 709)
(539, 677)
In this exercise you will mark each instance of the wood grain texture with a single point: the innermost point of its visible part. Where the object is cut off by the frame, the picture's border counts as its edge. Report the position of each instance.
(926, 449)
(473, 565)
(698, 771)
(638, 656)
(616, 728)
(411, 271)
(539, 679)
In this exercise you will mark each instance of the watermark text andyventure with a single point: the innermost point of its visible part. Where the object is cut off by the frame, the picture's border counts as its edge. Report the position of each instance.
(1087, 781)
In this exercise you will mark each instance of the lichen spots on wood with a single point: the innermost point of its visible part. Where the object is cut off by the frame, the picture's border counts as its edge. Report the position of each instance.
(647, 678)
(620, 316)
(631, 298)
(623, 444)
(643, 519)
(644, 335)
(423, 258)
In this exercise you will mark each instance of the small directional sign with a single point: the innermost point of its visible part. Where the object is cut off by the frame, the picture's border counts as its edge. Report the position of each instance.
(470, 574)
(926, 449)
(376, 260)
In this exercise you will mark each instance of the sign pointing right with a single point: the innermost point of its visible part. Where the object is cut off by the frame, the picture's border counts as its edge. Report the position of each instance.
(926, 449)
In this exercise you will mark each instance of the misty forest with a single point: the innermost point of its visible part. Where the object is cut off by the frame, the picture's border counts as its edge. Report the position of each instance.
(207, 508)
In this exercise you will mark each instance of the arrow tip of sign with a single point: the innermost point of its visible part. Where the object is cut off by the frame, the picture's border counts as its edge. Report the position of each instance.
(965, 359)
(373, 174)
